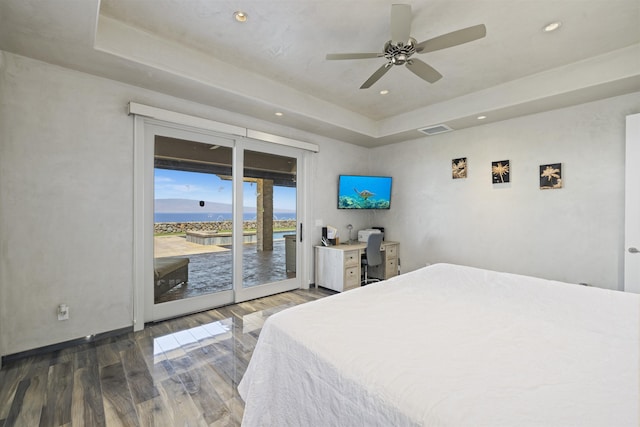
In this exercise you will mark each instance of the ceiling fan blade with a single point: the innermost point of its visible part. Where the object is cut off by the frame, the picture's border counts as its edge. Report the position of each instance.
(376, 76)
(424, 71)
(453, 38)
(400, 22)
(354, 55)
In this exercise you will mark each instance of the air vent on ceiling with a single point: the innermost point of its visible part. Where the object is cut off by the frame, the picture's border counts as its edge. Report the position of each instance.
(435, 129)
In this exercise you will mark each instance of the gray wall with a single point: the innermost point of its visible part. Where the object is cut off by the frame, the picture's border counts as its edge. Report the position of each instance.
(66, 214)
(572, 234)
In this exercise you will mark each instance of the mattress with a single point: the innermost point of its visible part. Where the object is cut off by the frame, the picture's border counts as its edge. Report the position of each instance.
(449, 345)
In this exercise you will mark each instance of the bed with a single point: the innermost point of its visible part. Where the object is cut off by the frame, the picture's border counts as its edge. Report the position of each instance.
(449, 345)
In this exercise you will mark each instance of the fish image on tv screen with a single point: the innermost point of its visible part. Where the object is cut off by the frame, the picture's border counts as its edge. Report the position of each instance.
(364, 192)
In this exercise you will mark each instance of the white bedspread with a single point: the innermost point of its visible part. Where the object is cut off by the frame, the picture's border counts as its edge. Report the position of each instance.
(450, 346)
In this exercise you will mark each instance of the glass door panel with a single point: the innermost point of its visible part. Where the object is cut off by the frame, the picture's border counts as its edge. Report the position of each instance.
(270, 219)
(192, 239)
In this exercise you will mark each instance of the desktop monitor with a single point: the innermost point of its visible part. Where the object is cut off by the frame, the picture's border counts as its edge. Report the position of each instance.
(364, 192)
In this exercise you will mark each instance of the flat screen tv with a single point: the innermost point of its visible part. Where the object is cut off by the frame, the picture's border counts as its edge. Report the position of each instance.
(364, 192)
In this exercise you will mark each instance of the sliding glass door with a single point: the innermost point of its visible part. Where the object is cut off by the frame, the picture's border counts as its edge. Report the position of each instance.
(192, 200)
(224, 220)
(270, 193)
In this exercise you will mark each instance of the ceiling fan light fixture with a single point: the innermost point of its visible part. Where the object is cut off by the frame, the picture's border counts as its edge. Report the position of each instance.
(240, 16)
(552, 26)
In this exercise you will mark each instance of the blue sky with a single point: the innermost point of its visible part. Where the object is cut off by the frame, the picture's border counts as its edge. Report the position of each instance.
(171, 184)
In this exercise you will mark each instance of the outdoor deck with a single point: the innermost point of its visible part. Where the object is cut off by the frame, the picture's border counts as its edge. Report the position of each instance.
(210, 266)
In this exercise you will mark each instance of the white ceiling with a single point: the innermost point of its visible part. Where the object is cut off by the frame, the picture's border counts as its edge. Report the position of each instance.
(276, 60)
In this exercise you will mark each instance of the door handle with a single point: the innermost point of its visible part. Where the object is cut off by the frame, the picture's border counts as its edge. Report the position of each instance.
(633, 250)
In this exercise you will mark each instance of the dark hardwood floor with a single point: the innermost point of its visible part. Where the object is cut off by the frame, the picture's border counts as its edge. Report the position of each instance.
(180, 372)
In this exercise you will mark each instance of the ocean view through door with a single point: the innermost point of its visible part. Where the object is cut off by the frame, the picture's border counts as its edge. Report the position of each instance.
(224, 221)
(192, 219)
(192, 222)
(272, 190)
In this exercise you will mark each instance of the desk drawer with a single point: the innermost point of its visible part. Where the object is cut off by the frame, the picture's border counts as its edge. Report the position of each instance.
(351, 277)
(351, 258)
(392, 251)
(391, 268)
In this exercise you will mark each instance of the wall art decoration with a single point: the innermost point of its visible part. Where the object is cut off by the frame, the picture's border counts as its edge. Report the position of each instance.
(501, 172)
(551, 176)
(459, 168)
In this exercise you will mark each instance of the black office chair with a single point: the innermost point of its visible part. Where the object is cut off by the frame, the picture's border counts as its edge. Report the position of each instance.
(372, 257)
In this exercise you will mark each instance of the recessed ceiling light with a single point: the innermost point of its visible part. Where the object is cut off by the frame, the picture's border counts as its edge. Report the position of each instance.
(240, 16)
(279, 113)
(384, 92)
(481, 117)
(552, 26)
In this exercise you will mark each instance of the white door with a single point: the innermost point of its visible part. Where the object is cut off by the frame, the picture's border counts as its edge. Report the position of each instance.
(216, 186)
(268, 182)
(191, 271)
(632, 206)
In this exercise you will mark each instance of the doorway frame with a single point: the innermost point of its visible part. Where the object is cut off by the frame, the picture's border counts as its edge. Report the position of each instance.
(158, 311)
(259, 291)
(632, 205)
(143, 249)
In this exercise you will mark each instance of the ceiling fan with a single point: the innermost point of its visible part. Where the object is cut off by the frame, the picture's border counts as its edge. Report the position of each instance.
(402, 46)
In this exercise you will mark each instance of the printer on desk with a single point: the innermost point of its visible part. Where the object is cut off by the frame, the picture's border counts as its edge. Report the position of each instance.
(363, 235)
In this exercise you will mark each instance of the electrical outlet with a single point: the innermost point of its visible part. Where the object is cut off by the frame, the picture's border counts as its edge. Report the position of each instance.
(63, 312)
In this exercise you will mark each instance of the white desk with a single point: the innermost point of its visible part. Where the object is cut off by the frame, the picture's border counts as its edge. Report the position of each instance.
(338, 267)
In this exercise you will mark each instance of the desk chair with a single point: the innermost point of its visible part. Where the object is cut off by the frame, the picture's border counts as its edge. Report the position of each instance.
(372, 256)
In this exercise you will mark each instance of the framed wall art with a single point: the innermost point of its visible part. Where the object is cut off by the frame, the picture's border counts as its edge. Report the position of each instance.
(459, 168)
(501, 172)
(551, 176)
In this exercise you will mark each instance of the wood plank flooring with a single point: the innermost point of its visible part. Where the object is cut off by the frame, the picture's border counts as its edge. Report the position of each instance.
(180, 372)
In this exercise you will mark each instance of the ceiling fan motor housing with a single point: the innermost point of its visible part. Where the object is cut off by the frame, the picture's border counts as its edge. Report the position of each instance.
(400, 52)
